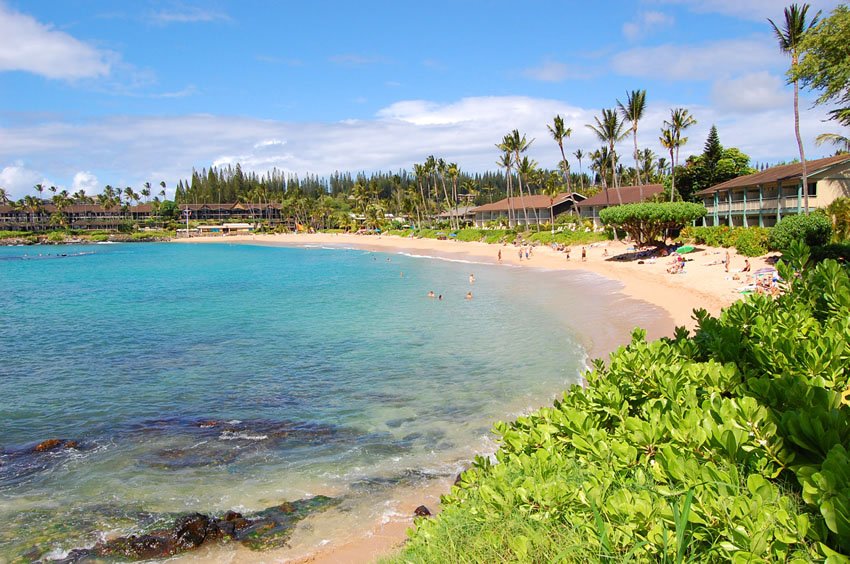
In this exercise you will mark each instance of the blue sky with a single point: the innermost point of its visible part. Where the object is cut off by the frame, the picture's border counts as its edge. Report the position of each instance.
(122, 93)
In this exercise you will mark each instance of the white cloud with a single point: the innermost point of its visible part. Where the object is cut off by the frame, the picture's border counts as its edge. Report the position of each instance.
(355, 60)
(645, 23)
(139, 149)
(30, 46)
(752, 92)
(19, 180)
(86, 181)
(699, 62)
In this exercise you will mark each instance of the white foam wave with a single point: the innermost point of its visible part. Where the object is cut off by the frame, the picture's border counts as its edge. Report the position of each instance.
(241, 435)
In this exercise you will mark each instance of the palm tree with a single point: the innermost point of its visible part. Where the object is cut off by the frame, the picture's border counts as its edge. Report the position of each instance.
(32, 206)
(632, 112)
(452, 171)
(610, 130)
(579, 155)
(4, 196)
(40, 189)
(789, 39)
(559, 132)
(668, 141)
(680, 120)
(526, 169)
(840, 141)
(517, 144)
(506, 161)
(146, 191)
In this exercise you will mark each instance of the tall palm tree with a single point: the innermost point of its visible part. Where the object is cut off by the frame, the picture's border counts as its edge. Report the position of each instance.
(560, 132)
(610, 130)
(632, 112)
(453, 171)
(4, 196)
(40, 189)
(680, 120)
(526, 169)
(668, 141)
(579, 154)
(789, 38)
(517, 144)
(506, 162)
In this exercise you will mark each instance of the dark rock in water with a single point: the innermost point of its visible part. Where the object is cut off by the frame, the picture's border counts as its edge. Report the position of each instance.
(421, 511)
(191, 531)
(269, 528)
(71, 444)
(49, 444)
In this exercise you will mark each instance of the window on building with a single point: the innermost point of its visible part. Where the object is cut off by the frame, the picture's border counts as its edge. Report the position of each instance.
(813, 189)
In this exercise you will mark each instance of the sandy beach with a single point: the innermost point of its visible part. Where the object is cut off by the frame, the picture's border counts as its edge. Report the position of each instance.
(705, 283)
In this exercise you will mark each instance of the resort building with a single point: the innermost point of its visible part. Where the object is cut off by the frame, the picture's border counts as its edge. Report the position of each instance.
(93, 216)
(763, 198)
(590, 208)
(464, 214)
(537, 207)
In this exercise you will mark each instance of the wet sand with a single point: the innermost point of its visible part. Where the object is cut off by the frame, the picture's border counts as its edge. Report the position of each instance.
(705, 284)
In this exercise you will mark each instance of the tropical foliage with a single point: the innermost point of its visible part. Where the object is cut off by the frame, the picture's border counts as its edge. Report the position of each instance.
(748, 241)
(790, 36)
(825, 63)
(649, 222)
(716, 164)
(728, 445)
(813, 230)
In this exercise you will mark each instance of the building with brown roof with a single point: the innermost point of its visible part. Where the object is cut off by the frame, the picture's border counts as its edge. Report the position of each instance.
(590, 208)
(763, 198)
(539, 209)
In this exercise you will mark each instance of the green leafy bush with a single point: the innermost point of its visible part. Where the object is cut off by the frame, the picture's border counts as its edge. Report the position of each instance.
(748, 241)
(13, 234)
(835, 251)
(814, 230)
(647, 222)
(731, 445)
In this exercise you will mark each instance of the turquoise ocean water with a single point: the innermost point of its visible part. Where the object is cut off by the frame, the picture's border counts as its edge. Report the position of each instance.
(216, 377)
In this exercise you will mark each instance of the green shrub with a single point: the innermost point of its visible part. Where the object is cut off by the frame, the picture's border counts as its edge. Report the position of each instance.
(13, 234)
(648, 222)
(835, 251)
(748, 241)
(56, 237)
(731, 445)
(814, 230)
(99, 238)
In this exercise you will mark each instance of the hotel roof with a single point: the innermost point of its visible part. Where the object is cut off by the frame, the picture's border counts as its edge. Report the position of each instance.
(779, 173)
(628, 194)
(535, 201)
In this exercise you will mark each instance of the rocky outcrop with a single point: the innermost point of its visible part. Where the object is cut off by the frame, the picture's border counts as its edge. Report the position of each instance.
(269, 528)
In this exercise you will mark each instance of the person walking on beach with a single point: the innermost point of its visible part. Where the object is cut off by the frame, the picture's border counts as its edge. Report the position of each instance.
(583, 254)
(499, 255)
(728, 259)
(567, 252)
(520, 253)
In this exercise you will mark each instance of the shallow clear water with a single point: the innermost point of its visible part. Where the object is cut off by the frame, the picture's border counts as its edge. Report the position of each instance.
(215, 377)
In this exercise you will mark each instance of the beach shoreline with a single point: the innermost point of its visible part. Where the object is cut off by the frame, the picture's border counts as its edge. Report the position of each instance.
(705, 284)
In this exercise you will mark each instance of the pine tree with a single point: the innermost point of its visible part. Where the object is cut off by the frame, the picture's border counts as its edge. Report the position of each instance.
(712, 153)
